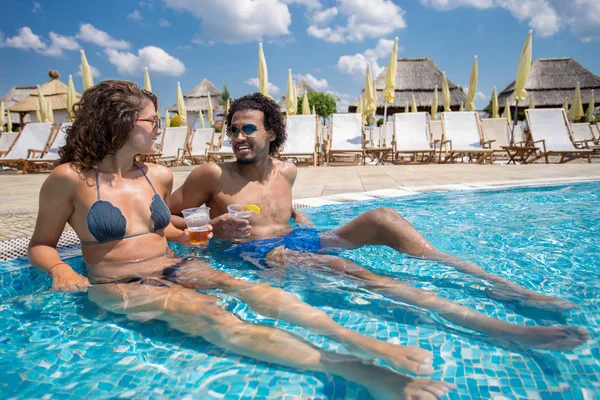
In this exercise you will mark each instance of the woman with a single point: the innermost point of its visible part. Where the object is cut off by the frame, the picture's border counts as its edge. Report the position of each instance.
(117, 207)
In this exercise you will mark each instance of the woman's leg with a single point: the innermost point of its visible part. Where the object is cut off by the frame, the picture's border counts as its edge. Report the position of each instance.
(196, 314)
(546, 337)
(384, 226)
(277, 303)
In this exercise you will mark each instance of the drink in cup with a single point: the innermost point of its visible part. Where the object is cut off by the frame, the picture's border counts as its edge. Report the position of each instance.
(197, 222)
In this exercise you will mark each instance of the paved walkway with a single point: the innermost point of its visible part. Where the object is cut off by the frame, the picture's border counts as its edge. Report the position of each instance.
(19, 193)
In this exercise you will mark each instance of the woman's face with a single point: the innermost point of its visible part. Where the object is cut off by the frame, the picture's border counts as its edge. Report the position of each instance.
(144, 136)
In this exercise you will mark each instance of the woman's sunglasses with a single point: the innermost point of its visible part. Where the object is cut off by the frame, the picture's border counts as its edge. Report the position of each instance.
(248, 129)
(156, 122)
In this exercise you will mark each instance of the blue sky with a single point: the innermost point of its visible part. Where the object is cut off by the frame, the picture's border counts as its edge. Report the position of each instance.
(328, 42)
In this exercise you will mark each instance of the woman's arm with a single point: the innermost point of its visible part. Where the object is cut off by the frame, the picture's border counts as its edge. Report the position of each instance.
(55, 209)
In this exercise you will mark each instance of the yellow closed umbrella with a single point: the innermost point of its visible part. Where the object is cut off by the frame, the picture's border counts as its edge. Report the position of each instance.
(360, 110)
(473, 86)
(86, 72)
(167, 119)
(290, 104)
(263, 75)
(313, 110)
(445, 93)
(406, 108)
(70, 98)
(461, 107)
(576, 111)
(147, 83)
(2, 112)
(181, 107)
(390, 77)
(566, 106)
(305, 105)
(211, 112)
(494, 105)
(201, 119)
(434, 105)
(531, 102)
(42, 104)
(38, 114)
(370, 106)
(507, 111)
(520, 93)
(413, 104)
(50, 115)
(9, 127)
(591, 108)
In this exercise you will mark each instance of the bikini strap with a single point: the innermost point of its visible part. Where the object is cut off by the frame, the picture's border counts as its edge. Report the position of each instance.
(98, 183)
(146, 176)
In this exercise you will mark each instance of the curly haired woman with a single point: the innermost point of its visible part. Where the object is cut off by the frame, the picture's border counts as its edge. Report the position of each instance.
(117, 207)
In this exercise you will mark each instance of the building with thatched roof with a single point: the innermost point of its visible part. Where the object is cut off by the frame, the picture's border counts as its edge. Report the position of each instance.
(551, 81)
(301, 87)
(55, 94)
(15, 95)
(416, 77)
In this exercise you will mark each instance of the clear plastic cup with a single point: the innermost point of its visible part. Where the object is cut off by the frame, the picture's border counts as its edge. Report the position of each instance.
(237, 211)
(197, 220)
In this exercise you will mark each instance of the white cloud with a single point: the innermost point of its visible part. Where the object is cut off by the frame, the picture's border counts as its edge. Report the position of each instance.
(273, 90)
(58, 43)
(156, 59)
(25, 40)
(236, 21)
(135, 16)
(91, 34)
(320, 18)
(546, 17)
(95, 72)
(164, 23)
(343, 102)
(356, 64)
(317, 84)
(37, 8)
(307, 3)
(364, 19)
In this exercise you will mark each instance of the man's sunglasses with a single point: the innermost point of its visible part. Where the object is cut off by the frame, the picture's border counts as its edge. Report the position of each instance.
(248, 129)
(156, 122)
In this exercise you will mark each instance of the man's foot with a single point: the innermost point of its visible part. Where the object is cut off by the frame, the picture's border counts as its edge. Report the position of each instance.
(387, 385)
(529, 299)
(403, 358)
(549, 337)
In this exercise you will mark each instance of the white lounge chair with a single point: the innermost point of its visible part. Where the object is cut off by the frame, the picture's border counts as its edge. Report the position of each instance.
(200, 144)
(222, 148)
(46, 159)
(173, 145)
(582, 135)
(412, 137)
(436, 133)
(6, 141)
(347, 137)
(549, 128)
(462, 136)
(302, 133)
(497, 137)
(35, 136)
(382, 148)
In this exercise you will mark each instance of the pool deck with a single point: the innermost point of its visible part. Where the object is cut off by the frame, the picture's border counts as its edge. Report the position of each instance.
(19, 194)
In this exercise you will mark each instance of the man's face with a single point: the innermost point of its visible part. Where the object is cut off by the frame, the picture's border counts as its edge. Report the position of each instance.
(250, 147)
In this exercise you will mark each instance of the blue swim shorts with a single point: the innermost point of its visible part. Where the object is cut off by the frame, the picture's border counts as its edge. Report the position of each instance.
(301, 239)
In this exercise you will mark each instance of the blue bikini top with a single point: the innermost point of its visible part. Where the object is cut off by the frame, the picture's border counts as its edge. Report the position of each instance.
(107, 223)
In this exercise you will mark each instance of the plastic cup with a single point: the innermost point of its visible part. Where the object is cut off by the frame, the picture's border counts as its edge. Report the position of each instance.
(197, 220)
(237, 211)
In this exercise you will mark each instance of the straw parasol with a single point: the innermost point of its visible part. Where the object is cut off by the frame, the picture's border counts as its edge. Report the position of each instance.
(15, 95)
(197, 98)
(300, 87)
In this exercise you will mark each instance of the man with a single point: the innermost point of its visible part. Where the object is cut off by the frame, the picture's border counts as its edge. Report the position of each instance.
(256, 129)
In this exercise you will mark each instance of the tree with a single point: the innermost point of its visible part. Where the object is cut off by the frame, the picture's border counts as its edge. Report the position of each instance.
(324, 103)
(224, 95)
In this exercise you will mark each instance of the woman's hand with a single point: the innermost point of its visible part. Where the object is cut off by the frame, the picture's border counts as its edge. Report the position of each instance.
(185, 240)
(64, 279)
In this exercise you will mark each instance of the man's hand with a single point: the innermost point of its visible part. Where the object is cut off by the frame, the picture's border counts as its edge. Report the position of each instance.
(64, 279)
(301, 220)
(229, 228)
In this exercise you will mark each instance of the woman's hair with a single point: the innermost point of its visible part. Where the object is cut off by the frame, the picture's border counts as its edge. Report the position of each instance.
(104, 117)
(273, 119)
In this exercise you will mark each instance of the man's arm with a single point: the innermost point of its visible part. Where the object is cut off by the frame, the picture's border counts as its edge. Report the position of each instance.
(300, 219)
(290, 172)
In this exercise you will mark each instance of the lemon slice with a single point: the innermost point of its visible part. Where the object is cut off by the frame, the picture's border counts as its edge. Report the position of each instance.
(252, 207)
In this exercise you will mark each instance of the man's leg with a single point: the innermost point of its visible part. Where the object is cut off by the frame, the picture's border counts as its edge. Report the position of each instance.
(384, 226)
(546, 337)
(277, 303)
(195, 314)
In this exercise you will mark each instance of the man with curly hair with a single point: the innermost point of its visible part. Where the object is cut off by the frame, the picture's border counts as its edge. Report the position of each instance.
(256, 129)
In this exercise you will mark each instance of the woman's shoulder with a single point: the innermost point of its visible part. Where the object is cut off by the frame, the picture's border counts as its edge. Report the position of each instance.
(158, 171)
(68, 172)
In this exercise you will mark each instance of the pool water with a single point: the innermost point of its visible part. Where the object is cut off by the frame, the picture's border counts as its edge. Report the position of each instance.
(544, 239)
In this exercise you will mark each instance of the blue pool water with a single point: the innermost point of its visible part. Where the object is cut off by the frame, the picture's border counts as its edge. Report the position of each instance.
(545, 239)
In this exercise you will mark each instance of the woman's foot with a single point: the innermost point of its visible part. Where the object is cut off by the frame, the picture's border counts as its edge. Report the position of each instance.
(387, 385)
(549, 337)
(526, 298)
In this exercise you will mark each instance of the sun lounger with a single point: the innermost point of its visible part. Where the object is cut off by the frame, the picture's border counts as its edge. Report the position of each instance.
(462, 136)
(35, 136)
(436, 133)
(412, 137)
(222, 147)
(47, 159)
(582, 135)
(199, 145)
(382, 149)
(302, 132)
(550, 132)
(347, 138)
(6, 141)
(496, 137)
(173, 146)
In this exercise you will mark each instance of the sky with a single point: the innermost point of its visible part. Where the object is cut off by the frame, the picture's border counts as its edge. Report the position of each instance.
(326, 42)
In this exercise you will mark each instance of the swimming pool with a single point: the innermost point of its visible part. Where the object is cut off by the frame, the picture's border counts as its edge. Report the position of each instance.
(545, 239)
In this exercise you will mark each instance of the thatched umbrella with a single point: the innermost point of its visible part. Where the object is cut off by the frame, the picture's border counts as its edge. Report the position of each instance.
(414, 76)
(55, 94)
(15, 95)
(197, 99)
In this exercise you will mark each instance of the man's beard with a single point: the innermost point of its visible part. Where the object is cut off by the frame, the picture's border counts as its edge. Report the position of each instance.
(246, 161)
